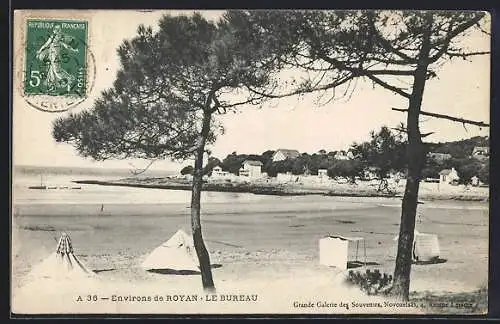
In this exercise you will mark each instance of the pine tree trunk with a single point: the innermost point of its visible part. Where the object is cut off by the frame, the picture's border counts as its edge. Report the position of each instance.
(401, 286)
(199, 245)
(416, 158)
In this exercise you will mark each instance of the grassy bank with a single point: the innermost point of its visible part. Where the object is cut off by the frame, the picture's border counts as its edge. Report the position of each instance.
(279, 189)
(217, 187)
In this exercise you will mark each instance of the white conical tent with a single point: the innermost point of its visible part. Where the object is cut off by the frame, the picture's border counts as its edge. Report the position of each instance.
(178, 253)
(62, 263)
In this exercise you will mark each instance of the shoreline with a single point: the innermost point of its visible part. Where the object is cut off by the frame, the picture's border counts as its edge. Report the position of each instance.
(276, 189)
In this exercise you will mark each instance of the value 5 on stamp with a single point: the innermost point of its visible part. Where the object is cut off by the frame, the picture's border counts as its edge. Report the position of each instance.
(57, 64)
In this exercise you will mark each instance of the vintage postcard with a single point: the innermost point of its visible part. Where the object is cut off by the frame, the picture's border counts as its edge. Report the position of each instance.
(250, 162)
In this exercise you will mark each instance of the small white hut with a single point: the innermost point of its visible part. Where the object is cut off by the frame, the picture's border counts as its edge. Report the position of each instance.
(425, 247)
(334, 250)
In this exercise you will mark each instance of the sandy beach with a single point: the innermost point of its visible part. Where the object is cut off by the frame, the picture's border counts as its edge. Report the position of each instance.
(261, 245)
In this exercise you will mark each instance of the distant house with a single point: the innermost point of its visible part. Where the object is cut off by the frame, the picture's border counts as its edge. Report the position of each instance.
(283, 154)
(342, 155)
(370, 174)
(481, 152)
(448, 176)
(439, 156)
(218, 173)
(322, 173)
(285, 177)
(251, 169)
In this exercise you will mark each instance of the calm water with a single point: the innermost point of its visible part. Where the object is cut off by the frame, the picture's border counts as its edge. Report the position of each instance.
(96, 194)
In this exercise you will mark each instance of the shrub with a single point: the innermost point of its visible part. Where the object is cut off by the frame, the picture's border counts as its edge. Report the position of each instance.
(187, 170)
(371, 282)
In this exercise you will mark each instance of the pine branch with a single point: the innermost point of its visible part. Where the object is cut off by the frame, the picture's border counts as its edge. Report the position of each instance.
(391, 72)
(441, 116)
(388, 86)
(405, 130)
(362, 72)
(452, 34)
(330, 85)
(387, 45)
(465, 55)
(138, 171)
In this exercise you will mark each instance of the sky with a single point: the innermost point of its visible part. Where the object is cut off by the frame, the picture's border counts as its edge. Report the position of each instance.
(461, 90)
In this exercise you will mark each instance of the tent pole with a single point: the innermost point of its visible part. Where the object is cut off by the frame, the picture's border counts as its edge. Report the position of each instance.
(364, 247)
(357, 246)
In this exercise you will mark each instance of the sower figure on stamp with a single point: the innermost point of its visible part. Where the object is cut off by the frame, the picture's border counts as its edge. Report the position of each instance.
(51, 52)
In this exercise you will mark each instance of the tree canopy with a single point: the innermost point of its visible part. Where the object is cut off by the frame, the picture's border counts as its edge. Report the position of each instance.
(171, 84)
(384, 153)
(335, 47)
(167, 79)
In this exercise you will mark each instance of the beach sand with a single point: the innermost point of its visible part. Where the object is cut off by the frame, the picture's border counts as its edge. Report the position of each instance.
(267, 249)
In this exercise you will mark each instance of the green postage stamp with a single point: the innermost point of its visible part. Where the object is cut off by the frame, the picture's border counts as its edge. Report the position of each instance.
(56, 63)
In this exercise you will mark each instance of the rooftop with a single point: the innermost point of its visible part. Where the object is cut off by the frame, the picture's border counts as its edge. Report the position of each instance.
(446, 171)
(481, 149)
(288, 153)
(253, 163)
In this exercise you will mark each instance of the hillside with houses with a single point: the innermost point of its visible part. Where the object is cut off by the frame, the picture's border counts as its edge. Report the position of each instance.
(453, 163)
(454, 170)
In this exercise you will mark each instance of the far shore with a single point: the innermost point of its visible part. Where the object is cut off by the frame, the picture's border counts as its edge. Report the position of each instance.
(290, 189)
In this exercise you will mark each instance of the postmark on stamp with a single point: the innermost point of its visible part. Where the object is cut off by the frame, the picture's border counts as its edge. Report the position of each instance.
(58, 66)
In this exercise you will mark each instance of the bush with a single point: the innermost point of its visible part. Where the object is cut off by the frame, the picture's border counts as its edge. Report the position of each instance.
(371, 282)
(187, 170)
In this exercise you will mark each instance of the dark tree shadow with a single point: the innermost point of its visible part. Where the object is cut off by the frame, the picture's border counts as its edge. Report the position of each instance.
(181, 272)
(104, 270)
(174, 272)
(345, 221)
(435, 260)
(358, 264)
